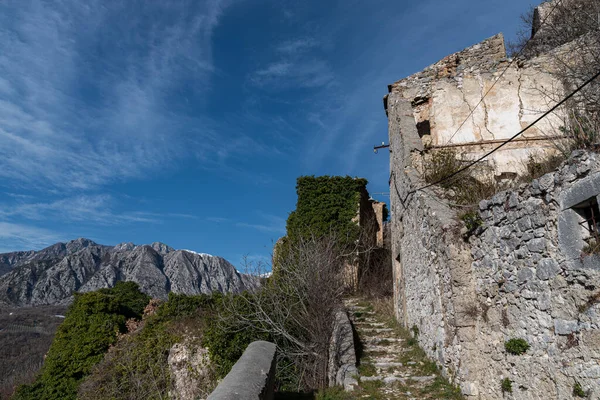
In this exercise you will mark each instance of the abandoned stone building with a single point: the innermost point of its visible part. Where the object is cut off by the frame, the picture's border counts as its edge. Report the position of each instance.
(524, 272)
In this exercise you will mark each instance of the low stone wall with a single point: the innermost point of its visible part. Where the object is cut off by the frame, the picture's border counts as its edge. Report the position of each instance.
(252, 377)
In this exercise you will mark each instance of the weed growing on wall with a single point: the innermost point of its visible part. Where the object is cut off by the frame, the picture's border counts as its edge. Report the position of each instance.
(516, 346)
(506, 385)
(465, 188)
(578, 391)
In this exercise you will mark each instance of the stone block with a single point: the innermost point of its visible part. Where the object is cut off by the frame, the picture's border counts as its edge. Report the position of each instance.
(524, 275)
(547, 269)
(564, 327)
(537, 245)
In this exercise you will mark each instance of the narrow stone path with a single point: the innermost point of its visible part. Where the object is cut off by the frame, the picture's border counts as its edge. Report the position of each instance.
(392, 365)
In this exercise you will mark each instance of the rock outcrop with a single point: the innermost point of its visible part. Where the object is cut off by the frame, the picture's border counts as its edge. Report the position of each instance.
(50, 276)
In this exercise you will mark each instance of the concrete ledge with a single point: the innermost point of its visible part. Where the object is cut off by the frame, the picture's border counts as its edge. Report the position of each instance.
(252, 377)
(342, 357)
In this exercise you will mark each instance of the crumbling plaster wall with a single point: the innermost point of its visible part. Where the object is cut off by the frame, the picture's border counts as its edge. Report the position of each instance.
(450, 91)
(522, 275)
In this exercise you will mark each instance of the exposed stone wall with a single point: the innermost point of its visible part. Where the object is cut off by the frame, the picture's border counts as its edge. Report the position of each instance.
(534, 282)
(342, 369)
(432, 269)
(521, 275)
(525, 272)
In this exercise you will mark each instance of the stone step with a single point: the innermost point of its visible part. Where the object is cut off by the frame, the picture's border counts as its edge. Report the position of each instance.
(369, 323)
(386, 349)
(377, 339)
(389, 364)
(378, 330)
(422, 378)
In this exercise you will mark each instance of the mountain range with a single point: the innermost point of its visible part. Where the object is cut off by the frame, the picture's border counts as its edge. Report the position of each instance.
(50, 276)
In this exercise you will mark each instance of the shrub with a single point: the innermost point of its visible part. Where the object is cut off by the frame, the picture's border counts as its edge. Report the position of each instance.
(539, 165)
(137, 366)
(464, 188)
(89, 329)
(472, 221)
(516, 346)
(295, 309)
(506, 385)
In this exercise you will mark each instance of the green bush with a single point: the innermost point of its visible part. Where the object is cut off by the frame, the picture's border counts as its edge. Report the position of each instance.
(137, 367)
(472, 220)
(506, 385)
(516, 346)
(89, 329)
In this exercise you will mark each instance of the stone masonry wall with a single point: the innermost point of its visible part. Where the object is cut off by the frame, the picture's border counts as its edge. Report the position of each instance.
(521, 275)
(534, 282)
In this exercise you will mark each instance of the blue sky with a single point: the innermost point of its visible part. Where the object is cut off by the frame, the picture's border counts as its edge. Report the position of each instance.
(187, 122)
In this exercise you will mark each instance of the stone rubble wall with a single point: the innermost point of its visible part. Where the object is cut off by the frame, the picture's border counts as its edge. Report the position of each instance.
(521, 275)
(534, 282)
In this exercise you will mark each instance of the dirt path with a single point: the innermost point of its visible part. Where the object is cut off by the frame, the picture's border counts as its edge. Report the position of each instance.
(392, 365)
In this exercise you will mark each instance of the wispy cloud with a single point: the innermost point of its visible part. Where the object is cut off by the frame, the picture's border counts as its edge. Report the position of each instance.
(86, 89)
(269, 224)
(295, 63)
(23, 237)
(96, 209)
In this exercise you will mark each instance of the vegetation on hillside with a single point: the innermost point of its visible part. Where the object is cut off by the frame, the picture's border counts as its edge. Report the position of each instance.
(25, 336)
(90, 327)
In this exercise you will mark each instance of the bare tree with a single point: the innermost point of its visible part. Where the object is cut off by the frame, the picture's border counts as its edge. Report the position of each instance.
(296, 308)
(568, 33)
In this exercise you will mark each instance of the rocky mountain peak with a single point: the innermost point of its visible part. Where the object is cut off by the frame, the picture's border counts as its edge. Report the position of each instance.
(74, 246)
(51, 275)
(125, 246)
(161, 248)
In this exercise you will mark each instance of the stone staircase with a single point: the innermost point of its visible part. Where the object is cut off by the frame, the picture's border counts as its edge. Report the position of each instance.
(391, 364)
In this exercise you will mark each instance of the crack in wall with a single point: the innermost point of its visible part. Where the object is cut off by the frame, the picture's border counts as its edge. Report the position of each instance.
(476, 134)
(486, 117)
(521, 108)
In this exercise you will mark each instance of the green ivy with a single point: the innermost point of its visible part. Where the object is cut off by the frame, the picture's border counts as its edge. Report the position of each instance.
(326, 205)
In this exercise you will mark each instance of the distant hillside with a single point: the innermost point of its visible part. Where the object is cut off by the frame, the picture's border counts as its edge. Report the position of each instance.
(51, 275)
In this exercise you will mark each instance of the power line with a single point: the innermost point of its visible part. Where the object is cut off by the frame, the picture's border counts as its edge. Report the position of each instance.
(508, 140)
(503, 72)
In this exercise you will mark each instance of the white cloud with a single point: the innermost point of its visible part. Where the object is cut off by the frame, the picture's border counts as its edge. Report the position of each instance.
(297, 46)
(96, 209)
(296, 64)
(23, 237)
(270, 224)
(85, 89)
